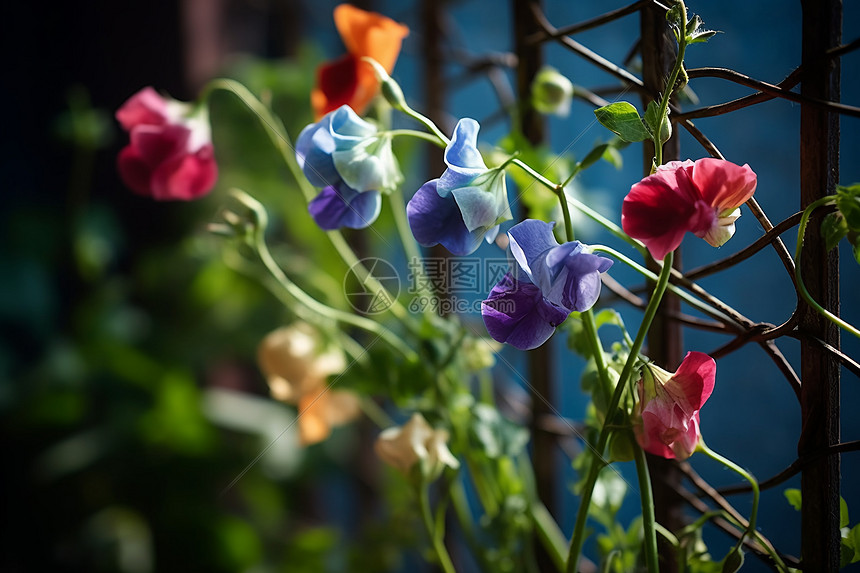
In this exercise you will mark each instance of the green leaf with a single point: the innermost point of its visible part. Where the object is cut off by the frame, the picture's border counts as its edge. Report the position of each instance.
(853, 540)
(733, 561)
(608, 316)
(622, 119)
(701, 36)
(833, 229)
(693, 24)
(653, 123)
(496, 435)
(793, 497)
(848, 203)
(593, 156)
(612, 156)
(843, 512)
(576, 340)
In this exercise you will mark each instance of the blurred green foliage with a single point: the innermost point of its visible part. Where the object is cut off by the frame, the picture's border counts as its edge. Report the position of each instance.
(129, 401)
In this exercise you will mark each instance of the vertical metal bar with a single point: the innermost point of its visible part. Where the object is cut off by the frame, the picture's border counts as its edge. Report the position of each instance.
(819, 173)
(665, 340)
(542, 359)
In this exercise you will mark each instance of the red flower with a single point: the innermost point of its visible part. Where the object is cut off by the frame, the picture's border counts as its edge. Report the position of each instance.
(170, 156)
(349, 80)
(702, 197)
(667, 415)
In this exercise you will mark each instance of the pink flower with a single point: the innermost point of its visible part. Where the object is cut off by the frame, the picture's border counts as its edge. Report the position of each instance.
(170, 156)
(667, 415)
(702, 197)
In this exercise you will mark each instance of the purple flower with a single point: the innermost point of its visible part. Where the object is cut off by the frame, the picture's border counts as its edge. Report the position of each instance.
(340, 205)
(466, 204)
(347, 157)
(547, 283)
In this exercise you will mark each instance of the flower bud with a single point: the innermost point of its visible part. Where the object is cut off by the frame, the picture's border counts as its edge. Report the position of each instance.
(552, 92)
(390, 89)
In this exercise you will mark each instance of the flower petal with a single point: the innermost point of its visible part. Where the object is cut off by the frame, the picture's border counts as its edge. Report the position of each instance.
(156, 144)
(722, 184)
(528, 240)
(462, 157)
(347, 129)
(370, 34)
(437, 220)
(337, 85)
(582, 284)
(134, 171)
(660, 209)
(693, 383)
(146, 107)
(340, 206)
(185, 177)
(313, 153)
(516, 312)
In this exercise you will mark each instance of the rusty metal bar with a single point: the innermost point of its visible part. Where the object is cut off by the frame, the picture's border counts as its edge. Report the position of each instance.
(819, 173)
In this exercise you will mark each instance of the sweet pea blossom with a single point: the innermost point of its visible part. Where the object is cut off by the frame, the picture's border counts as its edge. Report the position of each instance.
(547, 283)
(296, 364)
(416, 442)
(702, 197)
(466, 204)
(667, 415)
(170, 155)
(348, 80)
(353, 162)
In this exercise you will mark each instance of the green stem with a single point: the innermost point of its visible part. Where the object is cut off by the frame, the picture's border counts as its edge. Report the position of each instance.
(677, 291)
(274, 128)
(428, 123)
(606, 224)
(418, 134)
(750, 530)
(670, 86)
(648, 519)
(566, 200)
(598, 462)
(801, 233)
(376, 414)
(597, 351)
(549, 533)
(262, 249)
(537, 176)
(279, 137)
(430, 525)
(410, 247)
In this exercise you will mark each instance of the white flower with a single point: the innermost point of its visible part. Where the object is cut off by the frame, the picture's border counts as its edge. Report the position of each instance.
(416, 441)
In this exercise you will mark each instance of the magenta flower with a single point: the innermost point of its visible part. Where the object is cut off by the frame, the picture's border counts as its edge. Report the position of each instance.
(170, 155)
(667, 415)
(702, 197)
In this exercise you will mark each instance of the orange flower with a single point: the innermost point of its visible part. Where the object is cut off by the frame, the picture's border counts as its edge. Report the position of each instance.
(296, 364)
(349, 80)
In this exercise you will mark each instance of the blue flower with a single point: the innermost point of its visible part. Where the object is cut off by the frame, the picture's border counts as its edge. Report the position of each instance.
(340, 205)
(548, 282)
(466, 204)
(346, 156)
